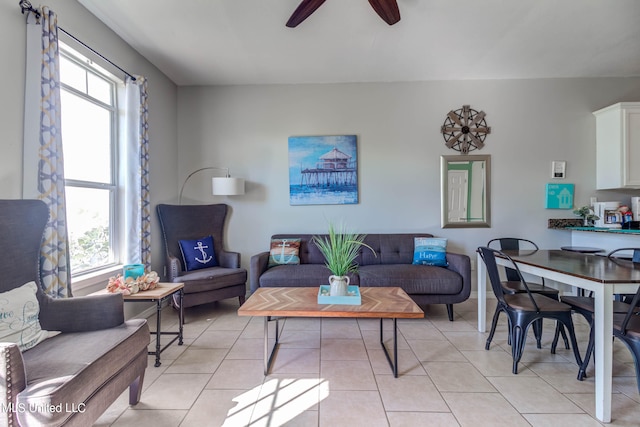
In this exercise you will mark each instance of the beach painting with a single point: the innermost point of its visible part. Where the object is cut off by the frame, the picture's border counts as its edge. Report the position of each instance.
(323, 170)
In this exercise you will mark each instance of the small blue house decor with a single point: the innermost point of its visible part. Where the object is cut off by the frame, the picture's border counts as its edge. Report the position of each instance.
(559, 196)
(323, 170)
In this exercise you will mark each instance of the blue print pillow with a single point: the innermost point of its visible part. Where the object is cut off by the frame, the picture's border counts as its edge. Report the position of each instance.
(430, 251)
(198, 253)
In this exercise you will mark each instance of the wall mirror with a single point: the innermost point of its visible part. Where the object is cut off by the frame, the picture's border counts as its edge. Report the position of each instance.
(465, 193)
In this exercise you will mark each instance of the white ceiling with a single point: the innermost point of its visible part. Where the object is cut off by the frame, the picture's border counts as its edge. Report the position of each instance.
(224, 42)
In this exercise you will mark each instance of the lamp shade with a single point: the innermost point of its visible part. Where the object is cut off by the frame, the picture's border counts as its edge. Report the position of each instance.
(227, 186)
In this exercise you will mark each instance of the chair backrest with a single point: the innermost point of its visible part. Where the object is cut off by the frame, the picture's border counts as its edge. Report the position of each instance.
(635, 253)
(189, 222)
(512, 244)
(22, 224)
(489, 257)
(632, 311)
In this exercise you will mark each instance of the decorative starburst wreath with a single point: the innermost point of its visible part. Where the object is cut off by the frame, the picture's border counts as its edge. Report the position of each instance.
(465, 129)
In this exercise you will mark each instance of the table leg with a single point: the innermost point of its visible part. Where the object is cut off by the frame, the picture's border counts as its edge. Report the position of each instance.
(603, 352)
(394, 363)
(482, 294)
(158, 322)
(268, 356)
(180, 316)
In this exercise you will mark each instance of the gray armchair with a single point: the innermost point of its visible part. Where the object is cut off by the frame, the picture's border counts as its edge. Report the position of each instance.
(81, 371)
(188, 222)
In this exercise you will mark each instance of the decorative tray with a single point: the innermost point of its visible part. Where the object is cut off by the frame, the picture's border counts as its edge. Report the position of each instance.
(353, 296)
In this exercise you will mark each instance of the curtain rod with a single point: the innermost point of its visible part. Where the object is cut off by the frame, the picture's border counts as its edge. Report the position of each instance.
(26, 6)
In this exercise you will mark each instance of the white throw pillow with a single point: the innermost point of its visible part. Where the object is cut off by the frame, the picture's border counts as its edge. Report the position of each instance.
(19, 323)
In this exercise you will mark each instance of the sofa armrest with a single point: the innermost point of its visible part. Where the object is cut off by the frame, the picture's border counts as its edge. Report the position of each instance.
(80, 314)
(228, 259)
(461, 264)
(13, 379)
(259, 264)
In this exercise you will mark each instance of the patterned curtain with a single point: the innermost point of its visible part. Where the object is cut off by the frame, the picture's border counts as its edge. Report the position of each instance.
(136, 165)
(54, 260)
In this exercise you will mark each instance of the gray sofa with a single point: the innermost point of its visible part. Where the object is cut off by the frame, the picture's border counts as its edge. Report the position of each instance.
(72, 378)
(390, 266)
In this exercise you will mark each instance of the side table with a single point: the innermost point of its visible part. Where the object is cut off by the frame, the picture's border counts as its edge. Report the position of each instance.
(161, 293)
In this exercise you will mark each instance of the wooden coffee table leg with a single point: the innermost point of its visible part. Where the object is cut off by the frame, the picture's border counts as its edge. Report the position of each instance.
(394, 363)
(268, 356)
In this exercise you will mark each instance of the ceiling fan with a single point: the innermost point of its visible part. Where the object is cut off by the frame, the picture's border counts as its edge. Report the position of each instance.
(386, 9)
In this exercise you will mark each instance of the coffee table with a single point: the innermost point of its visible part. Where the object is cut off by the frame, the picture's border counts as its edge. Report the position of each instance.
(383, 303)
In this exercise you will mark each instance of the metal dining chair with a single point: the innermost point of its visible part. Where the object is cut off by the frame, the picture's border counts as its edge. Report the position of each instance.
(523, 309)
(513, 285)
(626, 327)
(584, 305)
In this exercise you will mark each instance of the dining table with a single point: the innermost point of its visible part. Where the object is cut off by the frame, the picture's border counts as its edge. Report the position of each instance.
(602, 275)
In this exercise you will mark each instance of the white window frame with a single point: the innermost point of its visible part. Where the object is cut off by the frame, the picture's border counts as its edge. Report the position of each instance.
(101, 274)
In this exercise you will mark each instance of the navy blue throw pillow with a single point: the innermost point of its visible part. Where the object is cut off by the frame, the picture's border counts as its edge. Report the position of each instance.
(198, 253)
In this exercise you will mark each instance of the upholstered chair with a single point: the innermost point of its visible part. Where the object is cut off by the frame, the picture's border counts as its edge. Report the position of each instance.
(91, 354)
(203, 285)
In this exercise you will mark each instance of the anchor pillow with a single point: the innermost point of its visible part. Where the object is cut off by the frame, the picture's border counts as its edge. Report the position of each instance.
(284, 251)
(198, 253)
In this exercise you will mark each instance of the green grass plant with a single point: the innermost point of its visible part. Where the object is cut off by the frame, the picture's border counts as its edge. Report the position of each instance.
(340, 249)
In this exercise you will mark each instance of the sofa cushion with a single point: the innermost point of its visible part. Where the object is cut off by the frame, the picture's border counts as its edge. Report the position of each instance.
(430, 251)
(19, 310)
(414, 279)
(284, 251)
(299, 275)
(198, 253)
(54, 378)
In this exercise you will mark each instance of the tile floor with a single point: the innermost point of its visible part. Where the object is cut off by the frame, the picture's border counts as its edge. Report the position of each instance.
(332, 372)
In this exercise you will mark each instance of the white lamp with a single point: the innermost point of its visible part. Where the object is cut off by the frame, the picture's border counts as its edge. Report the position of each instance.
(220, 186)
(227, 186)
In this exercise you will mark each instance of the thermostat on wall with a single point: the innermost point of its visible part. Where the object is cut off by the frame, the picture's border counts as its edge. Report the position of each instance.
(558, 169)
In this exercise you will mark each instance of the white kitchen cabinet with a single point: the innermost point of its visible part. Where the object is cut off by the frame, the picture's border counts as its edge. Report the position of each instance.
(618, 146)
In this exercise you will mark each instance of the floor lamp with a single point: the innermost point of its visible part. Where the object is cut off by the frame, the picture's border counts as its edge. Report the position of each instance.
(220, 186)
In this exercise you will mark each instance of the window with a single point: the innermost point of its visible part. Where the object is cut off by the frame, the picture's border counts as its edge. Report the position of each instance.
(89, 138)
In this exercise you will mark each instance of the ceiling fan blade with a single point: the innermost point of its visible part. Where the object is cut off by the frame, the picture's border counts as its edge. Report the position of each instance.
(302, 12)
(387, 10)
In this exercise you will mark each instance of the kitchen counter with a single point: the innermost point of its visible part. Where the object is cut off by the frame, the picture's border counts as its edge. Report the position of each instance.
(604, 230)
(606, 239)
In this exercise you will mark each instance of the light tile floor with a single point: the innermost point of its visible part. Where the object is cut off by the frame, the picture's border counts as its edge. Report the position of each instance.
(332, 372)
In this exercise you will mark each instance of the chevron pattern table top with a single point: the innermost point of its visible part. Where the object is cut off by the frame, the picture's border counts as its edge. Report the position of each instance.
(303, 302)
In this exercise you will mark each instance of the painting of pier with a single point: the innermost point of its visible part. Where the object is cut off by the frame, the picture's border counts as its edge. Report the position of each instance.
(323, 170)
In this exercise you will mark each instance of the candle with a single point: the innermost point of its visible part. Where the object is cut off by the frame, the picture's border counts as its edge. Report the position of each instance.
(133, 270)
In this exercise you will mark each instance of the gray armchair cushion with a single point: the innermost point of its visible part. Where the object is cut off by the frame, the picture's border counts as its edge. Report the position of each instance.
(68, 368)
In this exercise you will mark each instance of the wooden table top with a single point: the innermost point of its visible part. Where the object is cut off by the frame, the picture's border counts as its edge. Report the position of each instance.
(586, 266)
(377, 302)
(162, 290)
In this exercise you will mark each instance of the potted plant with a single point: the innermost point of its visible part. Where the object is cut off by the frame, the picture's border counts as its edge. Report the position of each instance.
(587, 215)
(340, 249)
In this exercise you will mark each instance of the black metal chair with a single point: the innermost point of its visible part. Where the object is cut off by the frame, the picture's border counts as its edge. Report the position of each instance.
(584, 305)
(523, 309)
(513, 285)
(626, 327)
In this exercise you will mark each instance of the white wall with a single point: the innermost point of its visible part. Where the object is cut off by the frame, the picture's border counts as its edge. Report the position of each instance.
(162, 100)
(533, 123)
